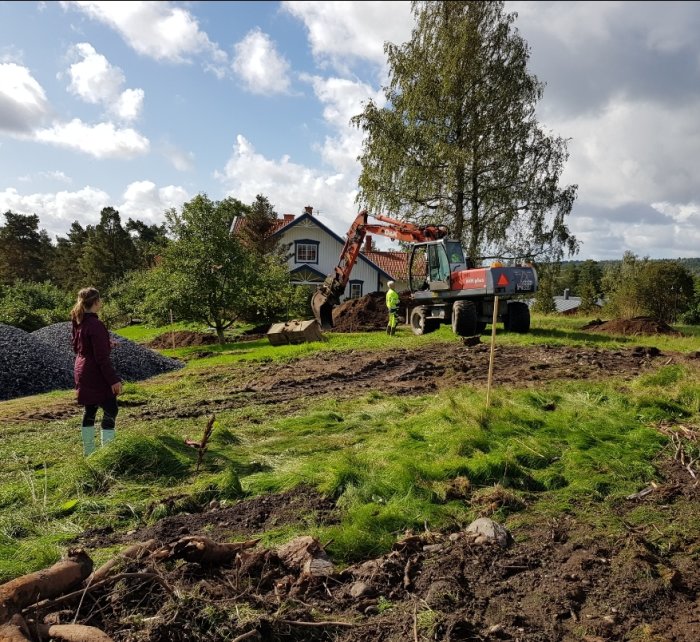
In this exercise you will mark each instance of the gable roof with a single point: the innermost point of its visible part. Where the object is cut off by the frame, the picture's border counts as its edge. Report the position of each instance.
(394, 263)
(308, 217)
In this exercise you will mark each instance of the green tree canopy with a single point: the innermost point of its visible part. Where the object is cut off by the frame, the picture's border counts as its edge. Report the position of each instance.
(662, 289)
(25, 252)
(256, 232)
(149, 241)
(65, 269)
(210, 276)
(458, 142)
(108, 252)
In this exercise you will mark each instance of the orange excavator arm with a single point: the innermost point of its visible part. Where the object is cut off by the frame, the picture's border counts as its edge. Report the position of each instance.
(328, 295)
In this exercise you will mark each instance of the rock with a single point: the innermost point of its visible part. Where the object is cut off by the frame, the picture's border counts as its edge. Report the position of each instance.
(491, 530)
(358, 589)
(305, 554)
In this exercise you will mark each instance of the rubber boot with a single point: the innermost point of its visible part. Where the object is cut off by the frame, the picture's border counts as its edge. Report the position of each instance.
(108, 426)
(88, 435)
(393, 331)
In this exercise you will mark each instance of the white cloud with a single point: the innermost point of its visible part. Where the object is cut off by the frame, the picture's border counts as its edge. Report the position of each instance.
(141, 200)
(56, 175)
(129, 104)
(289, 186)
(154, 29)
(179, 159)
(343, 99)
(57, 210)
(262, 69)
(634, 151)
(144, 201)
(23, 104)
(96, 81)
(341, 32)
(103, 140)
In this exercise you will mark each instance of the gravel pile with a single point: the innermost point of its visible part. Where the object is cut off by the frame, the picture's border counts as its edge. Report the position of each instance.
(29, 366)
(131, 361)
(41, 361)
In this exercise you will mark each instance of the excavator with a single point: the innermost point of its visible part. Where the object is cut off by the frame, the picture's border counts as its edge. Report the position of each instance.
(444, 285)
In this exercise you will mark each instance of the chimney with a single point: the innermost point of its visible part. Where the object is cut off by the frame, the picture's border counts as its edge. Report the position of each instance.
(566, 294)
(368, 244)
(288, 218)
(308, 210)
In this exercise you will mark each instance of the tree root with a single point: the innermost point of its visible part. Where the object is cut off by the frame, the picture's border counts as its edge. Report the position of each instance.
(73, 633)
(202, 550)
(25, 590)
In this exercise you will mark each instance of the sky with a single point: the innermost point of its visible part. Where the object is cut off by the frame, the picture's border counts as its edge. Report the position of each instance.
(143, 105)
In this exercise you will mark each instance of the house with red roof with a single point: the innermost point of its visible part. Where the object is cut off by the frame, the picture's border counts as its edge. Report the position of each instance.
(315, 250)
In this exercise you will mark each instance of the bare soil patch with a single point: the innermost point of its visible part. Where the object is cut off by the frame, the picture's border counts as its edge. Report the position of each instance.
(181, 339)
(410, 371)
(557, 582)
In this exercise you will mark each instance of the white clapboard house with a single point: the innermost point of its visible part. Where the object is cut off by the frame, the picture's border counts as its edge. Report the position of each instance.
(315, 251)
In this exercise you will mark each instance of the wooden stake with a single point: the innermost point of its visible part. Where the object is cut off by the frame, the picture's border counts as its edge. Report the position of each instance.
(493, 345)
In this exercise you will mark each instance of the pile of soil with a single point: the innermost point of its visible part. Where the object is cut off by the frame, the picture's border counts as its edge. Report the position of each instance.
(181, 339)
(367, 313)
(634, 326)
(557, 581)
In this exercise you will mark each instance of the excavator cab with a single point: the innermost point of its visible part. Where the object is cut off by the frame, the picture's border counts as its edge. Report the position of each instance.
(432, 263)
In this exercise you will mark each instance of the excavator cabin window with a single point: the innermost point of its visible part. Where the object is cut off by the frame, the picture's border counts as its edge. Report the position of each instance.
(439, 266)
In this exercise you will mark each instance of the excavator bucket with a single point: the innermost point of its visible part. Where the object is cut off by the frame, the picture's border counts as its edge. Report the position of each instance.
(294, 332)
(322, 307)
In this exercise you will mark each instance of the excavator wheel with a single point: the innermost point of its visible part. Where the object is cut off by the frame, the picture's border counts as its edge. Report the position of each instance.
(464, 319)
(421, 323)
(518, 317)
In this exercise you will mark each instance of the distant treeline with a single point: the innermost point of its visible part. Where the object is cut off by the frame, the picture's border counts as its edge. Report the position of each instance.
(692, 265)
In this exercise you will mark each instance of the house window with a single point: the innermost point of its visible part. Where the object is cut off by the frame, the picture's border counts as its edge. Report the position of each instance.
(355, 289)
(306, 251)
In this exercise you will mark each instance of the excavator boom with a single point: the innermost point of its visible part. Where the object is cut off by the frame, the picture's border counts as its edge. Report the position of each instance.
(329, 293)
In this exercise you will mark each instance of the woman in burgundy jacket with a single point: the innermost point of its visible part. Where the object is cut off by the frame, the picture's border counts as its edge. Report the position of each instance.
(96, 383)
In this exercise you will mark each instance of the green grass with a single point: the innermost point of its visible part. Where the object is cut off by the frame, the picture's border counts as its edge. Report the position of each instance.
(575, 448)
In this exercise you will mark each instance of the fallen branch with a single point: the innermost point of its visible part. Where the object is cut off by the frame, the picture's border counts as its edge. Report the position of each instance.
(247, 636)
(317, 625)
(201, 446)
(62, 576)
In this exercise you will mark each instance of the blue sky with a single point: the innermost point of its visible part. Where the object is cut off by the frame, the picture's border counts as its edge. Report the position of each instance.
(140, 106)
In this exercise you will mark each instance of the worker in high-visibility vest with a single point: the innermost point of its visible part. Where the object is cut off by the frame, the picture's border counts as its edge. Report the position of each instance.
(392, 304)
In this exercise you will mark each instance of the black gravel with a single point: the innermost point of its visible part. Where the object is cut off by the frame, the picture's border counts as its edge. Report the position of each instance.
(29, 366)
(31, 363)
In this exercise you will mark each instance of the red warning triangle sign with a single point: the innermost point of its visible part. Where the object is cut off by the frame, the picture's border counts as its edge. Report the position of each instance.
(502, 281)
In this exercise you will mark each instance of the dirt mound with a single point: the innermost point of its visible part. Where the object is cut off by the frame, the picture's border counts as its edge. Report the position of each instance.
(633, 326)
(181, 339)
(366, 313)
(557, 582)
